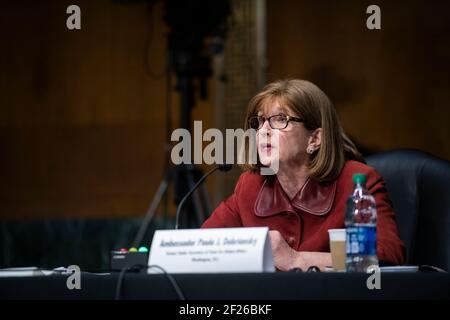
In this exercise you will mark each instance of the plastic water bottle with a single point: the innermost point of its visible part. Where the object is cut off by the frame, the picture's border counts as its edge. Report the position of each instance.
(360, 224)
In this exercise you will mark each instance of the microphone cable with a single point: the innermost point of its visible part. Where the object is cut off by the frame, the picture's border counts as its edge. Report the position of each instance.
(127, 268)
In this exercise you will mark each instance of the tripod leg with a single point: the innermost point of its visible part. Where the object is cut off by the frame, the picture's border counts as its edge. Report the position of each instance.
(206, 204)
(197, 203)
(162, 189)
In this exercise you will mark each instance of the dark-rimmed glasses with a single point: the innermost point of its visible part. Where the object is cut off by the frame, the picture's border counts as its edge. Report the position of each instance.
(279, 121)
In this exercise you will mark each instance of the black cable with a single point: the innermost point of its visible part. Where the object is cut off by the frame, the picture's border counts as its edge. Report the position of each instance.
(175, 285)
(124, 270)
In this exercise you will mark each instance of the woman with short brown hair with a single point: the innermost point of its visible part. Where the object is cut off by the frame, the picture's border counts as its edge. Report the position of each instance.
(298, 128)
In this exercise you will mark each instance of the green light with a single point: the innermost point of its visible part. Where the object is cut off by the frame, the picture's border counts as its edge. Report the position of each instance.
(143, 249)
(133, 249)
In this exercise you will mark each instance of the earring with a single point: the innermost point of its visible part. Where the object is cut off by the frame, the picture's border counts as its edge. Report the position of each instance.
(309, 150)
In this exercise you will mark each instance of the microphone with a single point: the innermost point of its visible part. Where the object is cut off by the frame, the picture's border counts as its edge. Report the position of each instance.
(222, 167)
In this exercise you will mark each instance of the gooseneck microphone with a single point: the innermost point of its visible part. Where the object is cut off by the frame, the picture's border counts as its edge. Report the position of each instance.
(221, 167)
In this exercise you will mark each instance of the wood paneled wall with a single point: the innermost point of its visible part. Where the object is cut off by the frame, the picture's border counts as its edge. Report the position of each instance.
(82, 128)
(82, 124)
(391, 86)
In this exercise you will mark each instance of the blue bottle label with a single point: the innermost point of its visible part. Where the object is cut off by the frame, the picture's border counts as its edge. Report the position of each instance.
(361, 240)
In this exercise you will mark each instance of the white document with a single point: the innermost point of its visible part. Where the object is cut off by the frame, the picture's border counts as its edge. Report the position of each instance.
(212, 250)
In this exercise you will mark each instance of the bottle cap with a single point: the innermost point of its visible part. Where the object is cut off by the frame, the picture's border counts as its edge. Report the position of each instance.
(359, 178)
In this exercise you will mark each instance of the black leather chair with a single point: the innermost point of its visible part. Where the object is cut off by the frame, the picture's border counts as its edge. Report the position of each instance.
(419, 187)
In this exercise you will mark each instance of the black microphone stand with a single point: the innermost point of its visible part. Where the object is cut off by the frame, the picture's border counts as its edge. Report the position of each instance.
(180, 205)
(199, 203)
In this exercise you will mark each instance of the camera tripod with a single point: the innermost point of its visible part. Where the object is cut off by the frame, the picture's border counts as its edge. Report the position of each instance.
(183, 177)
(188, 60)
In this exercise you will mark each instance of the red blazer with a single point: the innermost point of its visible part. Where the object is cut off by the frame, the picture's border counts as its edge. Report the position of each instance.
(304, 221)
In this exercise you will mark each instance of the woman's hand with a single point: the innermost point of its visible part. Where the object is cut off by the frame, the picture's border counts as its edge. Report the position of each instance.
(286, 258)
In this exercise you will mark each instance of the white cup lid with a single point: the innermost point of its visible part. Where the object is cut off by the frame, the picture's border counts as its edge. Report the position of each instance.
(337, 234)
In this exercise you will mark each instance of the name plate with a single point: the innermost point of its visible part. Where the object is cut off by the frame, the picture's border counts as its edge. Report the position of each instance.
(212, 250)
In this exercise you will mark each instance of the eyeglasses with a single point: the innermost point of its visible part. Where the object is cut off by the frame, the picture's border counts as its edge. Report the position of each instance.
(279, 121)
